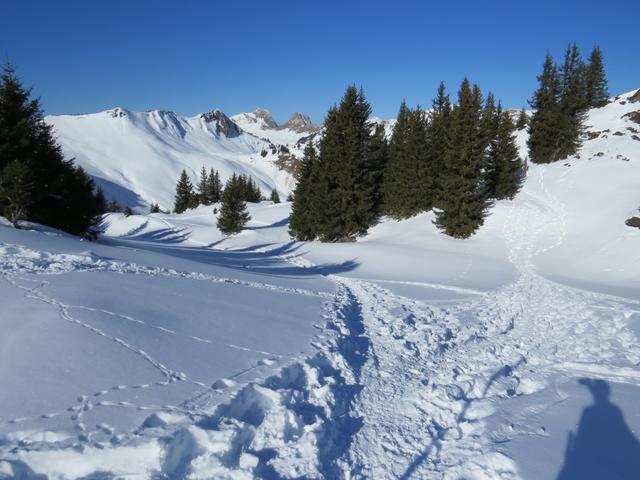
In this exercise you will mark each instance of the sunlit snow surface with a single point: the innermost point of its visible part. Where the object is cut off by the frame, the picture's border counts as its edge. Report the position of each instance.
(166, 350)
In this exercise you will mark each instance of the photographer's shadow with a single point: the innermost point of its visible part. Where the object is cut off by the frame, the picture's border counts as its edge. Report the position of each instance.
(603, 447)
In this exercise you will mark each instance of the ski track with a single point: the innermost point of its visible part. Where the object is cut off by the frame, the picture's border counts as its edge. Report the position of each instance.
(397, 388)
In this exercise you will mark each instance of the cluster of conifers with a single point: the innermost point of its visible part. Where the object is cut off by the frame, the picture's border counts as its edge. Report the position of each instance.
(36, 182)
(454, 159)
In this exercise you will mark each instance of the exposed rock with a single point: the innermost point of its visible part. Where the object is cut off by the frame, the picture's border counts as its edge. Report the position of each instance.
(117, 112)
(300, 123)
(224, 124)
(633, 116)
(635, 97)
(266, 117)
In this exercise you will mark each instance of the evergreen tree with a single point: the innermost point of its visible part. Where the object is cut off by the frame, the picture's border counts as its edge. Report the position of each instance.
(155, 208)
(399, 168)
(523, 120)
(233, 212)
(127, 211)
(101, 201)
(462, 208)
(545, 121)
(377, 160)
(214, 184)
(302, 224)
(203, 188)
(275, 197)
(113, 206)
(346, 186)
(506, 175)
(438, 140)
(15, 191)
(596, 93)
(63, 196)
(184, 193)
(573, 103)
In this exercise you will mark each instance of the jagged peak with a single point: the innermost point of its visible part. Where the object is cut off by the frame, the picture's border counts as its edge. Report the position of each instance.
(300, 122)
(224, 124)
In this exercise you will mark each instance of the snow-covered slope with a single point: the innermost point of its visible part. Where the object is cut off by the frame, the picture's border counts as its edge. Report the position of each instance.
(166, 350)
(137, 157)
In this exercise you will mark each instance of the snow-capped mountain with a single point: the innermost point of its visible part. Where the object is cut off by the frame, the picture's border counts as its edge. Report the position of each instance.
(136, 157)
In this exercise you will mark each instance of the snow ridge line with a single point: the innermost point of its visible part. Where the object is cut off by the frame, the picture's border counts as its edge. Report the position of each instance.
(19, 259)
(296, 424)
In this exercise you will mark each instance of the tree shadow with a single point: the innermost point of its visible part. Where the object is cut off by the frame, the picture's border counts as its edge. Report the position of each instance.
(604, 447)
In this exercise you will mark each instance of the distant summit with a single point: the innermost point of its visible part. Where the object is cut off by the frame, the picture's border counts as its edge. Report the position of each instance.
(224, 124)
(300, 123)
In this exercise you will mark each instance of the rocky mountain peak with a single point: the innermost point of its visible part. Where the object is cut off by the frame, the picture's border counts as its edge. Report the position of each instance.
(224, 124)
(266, 117)
(300, 123)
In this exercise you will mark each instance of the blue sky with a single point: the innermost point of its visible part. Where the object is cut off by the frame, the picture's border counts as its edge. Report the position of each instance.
(192, 55)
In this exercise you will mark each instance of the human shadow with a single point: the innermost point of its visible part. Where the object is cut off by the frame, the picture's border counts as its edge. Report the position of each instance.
(604, 447)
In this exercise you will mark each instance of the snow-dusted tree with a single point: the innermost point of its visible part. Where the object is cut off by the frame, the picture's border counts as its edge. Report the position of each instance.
(504, 177)
(184, 197)
(275, 197)
(233, 212)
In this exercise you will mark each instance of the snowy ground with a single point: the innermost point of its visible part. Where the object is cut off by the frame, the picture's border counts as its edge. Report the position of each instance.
(167, 351)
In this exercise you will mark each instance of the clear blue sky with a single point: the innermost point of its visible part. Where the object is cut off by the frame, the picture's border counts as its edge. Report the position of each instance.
(192, 55)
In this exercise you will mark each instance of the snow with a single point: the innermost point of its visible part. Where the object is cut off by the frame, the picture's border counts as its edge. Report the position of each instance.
(167, 350)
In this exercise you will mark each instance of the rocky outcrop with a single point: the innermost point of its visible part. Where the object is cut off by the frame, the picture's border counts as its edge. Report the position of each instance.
(224, 125)
(300, 123)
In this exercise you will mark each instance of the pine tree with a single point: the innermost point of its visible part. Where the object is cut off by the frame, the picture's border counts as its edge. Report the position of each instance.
(101, 201)
(275, 197)
(15, 191)
(203, 188)
(184, 193)
(523, 120)
(63, 196)
(155, 208)
(463, 205)
(302, 224)
(545, 121)
(233, 212)
(597, 93)
(506, 175)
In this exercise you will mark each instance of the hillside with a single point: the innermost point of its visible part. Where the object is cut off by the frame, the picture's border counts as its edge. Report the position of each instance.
(406, 354)
(137, 157)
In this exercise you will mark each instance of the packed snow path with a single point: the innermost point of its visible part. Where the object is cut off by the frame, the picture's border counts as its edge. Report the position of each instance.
(432, 375)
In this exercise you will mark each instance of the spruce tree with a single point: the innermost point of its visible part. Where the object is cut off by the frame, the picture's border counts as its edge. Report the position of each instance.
(506, 173)
(233, 212)
(214, 187)
(113, 206)
(438, 140)
(463, 204)
(16, 190)
(63, 196)
(203, 188)
(346, 187)
(154, 208)
(302, 224)
(184, 193)
(573, 103)
(523, 120)
(596, 93)
(275, 197)
(545, 121)
(399, 169)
